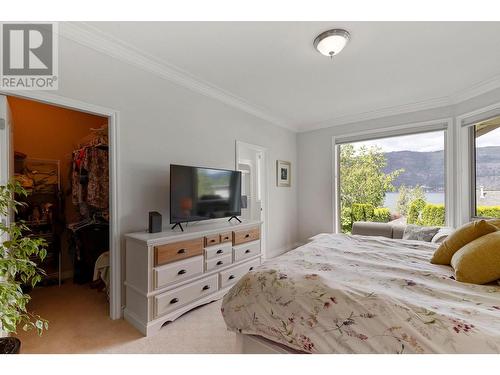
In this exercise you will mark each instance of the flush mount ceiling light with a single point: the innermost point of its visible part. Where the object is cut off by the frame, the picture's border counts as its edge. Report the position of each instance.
(331, 42)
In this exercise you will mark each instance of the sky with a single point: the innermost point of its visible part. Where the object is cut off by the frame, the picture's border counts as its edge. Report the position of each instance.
(416, 142)
(426, 142)
(490, 139)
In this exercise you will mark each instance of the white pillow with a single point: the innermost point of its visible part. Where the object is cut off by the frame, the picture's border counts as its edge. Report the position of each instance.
(419, 233)
(442, 234)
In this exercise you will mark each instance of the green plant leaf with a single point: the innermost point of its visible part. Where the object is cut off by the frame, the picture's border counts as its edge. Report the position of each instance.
(16, 265)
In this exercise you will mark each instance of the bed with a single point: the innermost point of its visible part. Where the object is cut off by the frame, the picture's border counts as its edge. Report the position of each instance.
(360, 294)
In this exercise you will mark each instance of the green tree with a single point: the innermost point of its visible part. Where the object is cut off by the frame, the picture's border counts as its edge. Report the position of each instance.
(362, 179)
(406, 196)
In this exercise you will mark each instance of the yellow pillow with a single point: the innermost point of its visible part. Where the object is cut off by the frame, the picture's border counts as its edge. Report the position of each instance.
(458, 239)
(478, 262)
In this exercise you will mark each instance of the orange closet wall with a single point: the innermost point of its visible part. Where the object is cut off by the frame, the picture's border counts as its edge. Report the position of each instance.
(43, 131)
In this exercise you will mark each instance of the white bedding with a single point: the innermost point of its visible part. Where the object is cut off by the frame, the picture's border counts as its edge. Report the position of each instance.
(357, 294)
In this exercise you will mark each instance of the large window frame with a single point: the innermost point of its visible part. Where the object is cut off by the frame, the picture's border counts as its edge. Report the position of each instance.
(466, 208)
(445, 125)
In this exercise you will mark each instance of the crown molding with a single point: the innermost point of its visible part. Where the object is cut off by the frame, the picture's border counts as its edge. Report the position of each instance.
(377, 113)
(476, 90)
(461, 96)
(94, 38)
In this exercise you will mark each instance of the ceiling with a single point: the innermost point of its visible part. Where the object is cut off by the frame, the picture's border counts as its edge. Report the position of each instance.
(274, 67)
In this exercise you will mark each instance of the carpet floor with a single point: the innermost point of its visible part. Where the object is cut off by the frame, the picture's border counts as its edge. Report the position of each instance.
(79, 323)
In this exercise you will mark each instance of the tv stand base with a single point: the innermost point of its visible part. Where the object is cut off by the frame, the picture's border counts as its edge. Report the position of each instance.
(234, 217)
(180, 226)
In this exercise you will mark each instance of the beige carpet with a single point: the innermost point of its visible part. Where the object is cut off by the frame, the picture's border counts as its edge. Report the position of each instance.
(79, 323)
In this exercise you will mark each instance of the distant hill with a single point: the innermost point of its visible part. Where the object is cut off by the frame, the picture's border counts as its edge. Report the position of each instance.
(426, 168)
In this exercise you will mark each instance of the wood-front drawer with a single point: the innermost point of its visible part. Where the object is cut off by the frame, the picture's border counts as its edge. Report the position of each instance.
(218, 262)
(248, 235)
(234, 274)
(213, 239)
(177, 271)
(171, 300)
(246, 250)
(176, 251)
(217, 251)
(226, 237)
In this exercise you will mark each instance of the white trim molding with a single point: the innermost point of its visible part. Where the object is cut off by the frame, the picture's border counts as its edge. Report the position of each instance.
(464, 178)
(114, 174)
(267, 171)
(96, 39)
(478, 89)
(458, 97)
(378, 113)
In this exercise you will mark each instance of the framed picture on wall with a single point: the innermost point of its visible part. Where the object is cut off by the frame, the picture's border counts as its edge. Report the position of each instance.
(283, 173)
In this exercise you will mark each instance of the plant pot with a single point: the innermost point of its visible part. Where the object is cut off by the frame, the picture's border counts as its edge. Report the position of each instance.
(10, 345)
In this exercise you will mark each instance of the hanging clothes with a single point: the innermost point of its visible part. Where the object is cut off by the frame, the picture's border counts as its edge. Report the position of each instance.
(90, 178)
(98, 178)
(78, 191)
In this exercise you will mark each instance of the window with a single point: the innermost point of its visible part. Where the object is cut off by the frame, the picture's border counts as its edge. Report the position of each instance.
(486, 168)
(398, 179)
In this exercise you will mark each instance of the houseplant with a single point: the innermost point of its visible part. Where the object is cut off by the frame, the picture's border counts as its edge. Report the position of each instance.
(17, 269)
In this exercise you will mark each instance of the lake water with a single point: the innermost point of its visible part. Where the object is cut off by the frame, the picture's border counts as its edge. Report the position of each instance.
(391, 199)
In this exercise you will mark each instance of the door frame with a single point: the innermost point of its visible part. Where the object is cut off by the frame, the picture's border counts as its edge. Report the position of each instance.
(264, 185)
(115, 296)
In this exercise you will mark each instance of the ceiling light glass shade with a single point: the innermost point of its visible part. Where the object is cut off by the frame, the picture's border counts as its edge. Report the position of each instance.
(331, 42)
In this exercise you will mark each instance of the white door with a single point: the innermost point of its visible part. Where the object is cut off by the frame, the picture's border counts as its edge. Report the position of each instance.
(251, 162)
(6, 160)
(6, 145)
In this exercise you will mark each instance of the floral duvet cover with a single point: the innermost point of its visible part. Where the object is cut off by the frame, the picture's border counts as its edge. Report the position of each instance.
(358, 294)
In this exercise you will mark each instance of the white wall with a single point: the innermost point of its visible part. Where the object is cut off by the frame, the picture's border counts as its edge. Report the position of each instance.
(315, 153)
(162, 123)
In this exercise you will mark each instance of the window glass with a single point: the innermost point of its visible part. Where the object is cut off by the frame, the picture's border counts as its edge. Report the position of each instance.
(487, 168)
(396, 179)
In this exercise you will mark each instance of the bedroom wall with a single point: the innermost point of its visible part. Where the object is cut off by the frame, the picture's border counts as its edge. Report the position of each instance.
(315, 152)
(162, 123)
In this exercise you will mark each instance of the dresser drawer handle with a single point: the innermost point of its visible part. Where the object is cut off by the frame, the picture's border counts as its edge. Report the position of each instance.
(181, 251)
(220, 262)
(175, 300)
(225, 238)
(181, 272)
(247, 251)
(247, 235)
(212, 240)
(220, 251)
(251, 268)
(231, 277)
(206, 287)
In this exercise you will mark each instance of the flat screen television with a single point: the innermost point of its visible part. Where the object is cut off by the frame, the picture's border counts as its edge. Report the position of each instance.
(198, 193)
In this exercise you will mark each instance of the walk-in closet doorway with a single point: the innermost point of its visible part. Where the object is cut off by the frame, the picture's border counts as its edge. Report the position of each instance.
(8, 165)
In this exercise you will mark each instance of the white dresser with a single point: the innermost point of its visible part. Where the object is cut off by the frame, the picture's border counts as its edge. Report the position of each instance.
(169, 273)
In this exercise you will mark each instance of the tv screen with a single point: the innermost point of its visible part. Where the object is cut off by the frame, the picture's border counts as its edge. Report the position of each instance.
(203, 193)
